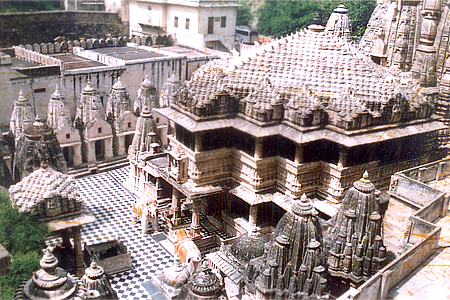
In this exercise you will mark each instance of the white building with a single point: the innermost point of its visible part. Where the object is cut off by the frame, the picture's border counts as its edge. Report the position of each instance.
(195, 23)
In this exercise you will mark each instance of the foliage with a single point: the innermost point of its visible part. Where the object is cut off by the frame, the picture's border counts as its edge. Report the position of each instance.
(244, 14)
(20, 233)
(23, 237)
(277, 18)
(22, 267)
(27, 5)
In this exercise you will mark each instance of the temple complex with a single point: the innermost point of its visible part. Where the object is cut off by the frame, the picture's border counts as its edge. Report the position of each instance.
(249, 135)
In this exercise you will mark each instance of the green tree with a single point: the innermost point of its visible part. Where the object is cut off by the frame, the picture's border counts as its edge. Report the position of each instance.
(23, 237)
(277, 18)
(244, 14)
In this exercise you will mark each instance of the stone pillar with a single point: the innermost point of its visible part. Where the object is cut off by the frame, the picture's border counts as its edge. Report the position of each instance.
(79, 269)
(343, 154)
(195, 225)
(121, 150)
(198, 139)
(158, 188)
(252, 216)
(299, 151)
(258, 148)
(108, 148)
(66, 239)
(77, 160)
(91, 152)
(176, 207)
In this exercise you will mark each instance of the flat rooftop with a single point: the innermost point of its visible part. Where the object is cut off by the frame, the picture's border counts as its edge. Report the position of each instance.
(191, 53)
(72, 61)
(127, 53)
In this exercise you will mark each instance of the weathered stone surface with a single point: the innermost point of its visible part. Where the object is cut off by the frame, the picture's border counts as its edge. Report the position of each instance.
(16, 28)
(5, 261)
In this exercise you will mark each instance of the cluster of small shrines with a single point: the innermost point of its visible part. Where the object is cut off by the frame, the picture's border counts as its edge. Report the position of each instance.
(253, 143)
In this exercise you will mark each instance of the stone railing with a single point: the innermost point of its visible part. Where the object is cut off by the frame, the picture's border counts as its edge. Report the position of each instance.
(35, 57)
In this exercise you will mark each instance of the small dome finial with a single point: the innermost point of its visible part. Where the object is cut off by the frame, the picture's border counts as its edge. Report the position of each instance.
(366, 175)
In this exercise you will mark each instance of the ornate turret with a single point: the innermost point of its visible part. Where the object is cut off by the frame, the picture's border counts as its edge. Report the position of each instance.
(21, 116)
(339, 23)
(293, 264)
(170, 87)
(58, 115)
(97, 284)
(51, 282)
(356, 249)
(90, 106)
(37, 144)
(118, 101)
(203, 285)
(146, 138)
(147, 97)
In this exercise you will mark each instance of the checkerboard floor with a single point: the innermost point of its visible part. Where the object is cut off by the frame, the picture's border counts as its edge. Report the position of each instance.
(110, 203)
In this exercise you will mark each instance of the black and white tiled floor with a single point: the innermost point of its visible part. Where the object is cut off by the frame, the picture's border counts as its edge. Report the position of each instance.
(110, 203)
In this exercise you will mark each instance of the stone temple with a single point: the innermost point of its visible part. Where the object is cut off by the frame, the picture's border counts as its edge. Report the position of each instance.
(266, 145)
(308, 113)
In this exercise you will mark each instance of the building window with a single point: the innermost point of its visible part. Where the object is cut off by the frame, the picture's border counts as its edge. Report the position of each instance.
(157, 120)
(210, 25)
(223, 22)
(175, 22)
(186, 25)
(129, 124)
(41, 90)
(68, 136)
(99, 130)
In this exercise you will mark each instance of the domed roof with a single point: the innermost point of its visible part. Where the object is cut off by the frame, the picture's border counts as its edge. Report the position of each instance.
(118, 85)
(51, 282)
(57, 95)
(248, 246)
(146, 83)
(88, 88)
(97, 284)
(21, 98)
(204, 283)
(38, 129)
(364, 185)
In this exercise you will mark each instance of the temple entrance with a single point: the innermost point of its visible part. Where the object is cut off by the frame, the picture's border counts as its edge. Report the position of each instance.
(237, 208)
(100, 149)
(215, 205)
(68, 155)
(128, 142)
(269, 214)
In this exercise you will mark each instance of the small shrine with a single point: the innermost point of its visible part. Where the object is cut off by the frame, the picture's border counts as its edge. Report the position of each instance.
(53, 197)
(51, 282)
(37, 143)
(356, 249)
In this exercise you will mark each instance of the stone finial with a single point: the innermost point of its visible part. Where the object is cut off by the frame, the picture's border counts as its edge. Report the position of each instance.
(21, 98)
(366, 176)
(48, 262)
(88, 87)
(57, 92)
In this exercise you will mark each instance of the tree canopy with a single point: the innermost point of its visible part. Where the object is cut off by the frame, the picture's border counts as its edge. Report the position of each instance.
(277, 18)
(244, 14)
(23, 237)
